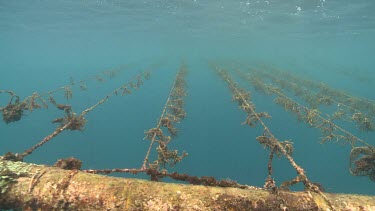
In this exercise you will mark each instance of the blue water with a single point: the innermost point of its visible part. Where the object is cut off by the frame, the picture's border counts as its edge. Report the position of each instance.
(44, 43)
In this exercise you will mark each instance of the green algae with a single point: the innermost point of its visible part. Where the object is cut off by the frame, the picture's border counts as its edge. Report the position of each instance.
(10, 171)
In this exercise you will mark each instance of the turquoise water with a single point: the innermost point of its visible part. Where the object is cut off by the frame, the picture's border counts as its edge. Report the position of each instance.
(44, 43)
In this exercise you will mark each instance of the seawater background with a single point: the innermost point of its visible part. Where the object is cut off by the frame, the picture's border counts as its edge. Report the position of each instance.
(43, 43)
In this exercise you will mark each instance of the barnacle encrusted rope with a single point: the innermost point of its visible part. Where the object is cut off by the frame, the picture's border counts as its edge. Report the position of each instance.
(73, 121)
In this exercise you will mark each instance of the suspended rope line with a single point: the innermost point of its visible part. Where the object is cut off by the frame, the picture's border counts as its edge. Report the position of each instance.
(268, 140)
(72, 121)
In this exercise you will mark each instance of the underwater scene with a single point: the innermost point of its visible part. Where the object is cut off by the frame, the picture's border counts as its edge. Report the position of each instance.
(265, 93)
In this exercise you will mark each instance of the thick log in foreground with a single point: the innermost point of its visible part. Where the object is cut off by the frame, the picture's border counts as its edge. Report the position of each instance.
(29, 187)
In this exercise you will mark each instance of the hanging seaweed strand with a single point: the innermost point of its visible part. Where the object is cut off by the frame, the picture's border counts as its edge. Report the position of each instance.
(14, 109)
